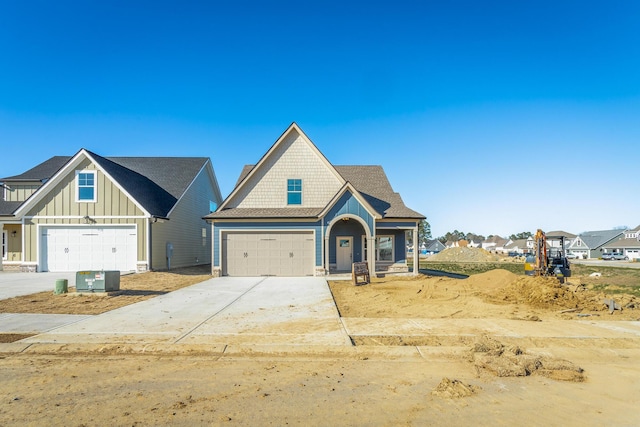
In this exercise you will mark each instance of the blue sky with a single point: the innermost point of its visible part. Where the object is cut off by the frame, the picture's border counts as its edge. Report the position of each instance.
(491, 117)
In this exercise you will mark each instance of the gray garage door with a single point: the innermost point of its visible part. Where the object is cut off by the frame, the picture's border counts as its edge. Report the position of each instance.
(268, 254)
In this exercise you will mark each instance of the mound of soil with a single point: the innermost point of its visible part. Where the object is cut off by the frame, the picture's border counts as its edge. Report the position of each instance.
(496, 293)
(465, 255)
(453, 389)
(492, 356)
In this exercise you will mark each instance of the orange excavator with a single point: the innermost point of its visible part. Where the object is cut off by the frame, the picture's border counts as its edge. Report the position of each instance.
(548, 261)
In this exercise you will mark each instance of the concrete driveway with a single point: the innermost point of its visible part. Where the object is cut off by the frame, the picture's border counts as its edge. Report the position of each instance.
(13, 284)
(226, 310)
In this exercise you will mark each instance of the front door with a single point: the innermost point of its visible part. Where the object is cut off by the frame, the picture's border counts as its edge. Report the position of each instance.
(344, 252)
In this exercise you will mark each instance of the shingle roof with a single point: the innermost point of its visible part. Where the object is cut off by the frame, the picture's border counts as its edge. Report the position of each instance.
(624, 243)
(595, 239)
(242, 213)
(157, 183)
(7, 208)
(370, 181)
(373, 184)
(560, 233)
(44, 170)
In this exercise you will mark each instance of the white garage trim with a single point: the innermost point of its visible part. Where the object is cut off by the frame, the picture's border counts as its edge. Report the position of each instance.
(283, 252)
(90, 247)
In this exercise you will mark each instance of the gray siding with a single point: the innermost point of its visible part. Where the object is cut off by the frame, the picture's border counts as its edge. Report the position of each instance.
(185, 227)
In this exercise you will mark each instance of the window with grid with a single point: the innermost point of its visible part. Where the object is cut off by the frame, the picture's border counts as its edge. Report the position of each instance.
(86, 184)
(294, 191)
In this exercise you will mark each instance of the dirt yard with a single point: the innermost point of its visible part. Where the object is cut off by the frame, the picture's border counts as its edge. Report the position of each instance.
(486, 383)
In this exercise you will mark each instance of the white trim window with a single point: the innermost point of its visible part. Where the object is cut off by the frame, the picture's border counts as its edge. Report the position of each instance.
(384, 248)
(86, 186)
(294, 191)
(5, 242)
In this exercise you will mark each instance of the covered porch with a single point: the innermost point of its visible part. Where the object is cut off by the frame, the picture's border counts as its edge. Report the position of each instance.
(348, 239)
(11, 246)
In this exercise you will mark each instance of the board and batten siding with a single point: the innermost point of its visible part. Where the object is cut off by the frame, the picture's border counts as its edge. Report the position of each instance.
(185, 229)
(59, 207)
(20, 192)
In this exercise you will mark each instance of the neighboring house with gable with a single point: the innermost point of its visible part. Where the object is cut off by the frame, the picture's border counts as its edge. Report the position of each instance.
(88, 212)
(554, 238)
(294, 214)
(628, 244)
(433, 246)
(474, 243)
(494, 244)
(519, 246)
(591, 244)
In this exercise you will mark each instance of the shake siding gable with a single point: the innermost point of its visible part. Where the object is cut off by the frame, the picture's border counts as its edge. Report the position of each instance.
(293, 158)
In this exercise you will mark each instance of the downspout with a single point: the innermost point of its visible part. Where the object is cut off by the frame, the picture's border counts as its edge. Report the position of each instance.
(149, 243)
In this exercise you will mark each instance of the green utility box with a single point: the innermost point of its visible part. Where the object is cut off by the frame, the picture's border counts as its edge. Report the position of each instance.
(97, 281)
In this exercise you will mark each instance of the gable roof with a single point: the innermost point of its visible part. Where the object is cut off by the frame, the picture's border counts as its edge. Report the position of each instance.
(372, 183)
(367, 182)
(595, 239)
(156, 183)
(249, 172)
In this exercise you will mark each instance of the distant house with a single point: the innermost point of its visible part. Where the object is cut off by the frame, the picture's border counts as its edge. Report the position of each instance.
(474, 243)
(433, 247)
(554, 238)
(88, 212)
(519, 246)
(628, 244)
(591, 244)
(494, 244)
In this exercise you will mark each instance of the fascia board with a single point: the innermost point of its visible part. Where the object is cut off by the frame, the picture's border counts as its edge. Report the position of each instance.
(52, 182)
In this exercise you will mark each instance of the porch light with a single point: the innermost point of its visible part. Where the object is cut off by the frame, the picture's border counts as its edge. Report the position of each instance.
(13, 233)
(345, 219)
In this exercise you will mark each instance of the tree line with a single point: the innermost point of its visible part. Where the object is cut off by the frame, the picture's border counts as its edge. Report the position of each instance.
(424, 234)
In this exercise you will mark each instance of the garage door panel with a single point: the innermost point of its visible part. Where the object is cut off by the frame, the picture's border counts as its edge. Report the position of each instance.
(275, 254)
(88, 248)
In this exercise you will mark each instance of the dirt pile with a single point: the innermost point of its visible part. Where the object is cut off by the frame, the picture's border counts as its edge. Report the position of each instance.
(548, 293)
(465, 255)
(453, 389)
(492, 356)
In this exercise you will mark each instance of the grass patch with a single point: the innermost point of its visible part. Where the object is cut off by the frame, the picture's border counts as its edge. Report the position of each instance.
(471, 268)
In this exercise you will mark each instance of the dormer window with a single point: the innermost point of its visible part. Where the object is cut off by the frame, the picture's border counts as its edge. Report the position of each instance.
(86, 186)
(294, 191)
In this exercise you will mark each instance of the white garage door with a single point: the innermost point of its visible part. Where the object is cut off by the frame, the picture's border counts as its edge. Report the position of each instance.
(268, 254)
(88, 248)
(633, 253)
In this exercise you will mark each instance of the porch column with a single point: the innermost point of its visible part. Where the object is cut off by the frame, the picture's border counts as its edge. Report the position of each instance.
(371, 255)
(1, 230)
(326, 255)
(416, 251)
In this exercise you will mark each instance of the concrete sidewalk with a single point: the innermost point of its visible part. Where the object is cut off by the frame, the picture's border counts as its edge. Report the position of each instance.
(13, 284)
(256, 310)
